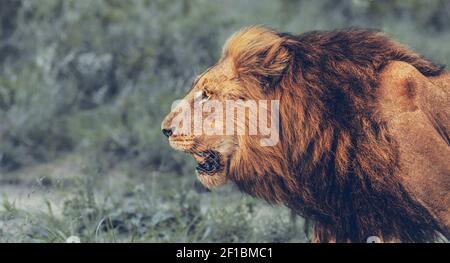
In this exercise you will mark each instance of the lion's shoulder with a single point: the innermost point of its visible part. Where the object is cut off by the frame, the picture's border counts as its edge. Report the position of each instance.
(403, 88)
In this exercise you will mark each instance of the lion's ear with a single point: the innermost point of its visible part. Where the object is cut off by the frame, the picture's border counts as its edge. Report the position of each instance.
(259, 53)
(272, 67)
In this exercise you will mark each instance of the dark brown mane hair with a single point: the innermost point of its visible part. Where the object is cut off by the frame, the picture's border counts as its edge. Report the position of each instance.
(336, 162)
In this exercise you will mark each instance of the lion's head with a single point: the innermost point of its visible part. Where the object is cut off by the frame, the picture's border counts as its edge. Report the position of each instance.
(251, 63)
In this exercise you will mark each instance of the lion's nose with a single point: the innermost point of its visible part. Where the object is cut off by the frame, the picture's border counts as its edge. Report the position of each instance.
(167, 132)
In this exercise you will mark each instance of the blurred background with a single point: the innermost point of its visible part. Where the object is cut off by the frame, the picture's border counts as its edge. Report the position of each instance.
(85, 84)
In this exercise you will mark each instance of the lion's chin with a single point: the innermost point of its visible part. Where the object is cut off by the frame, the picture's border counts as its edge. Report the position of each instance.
(211, 181)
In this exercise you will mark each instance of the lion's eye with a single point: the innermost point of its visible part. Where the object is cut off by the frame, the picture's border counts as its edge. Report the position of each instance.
(205, 95)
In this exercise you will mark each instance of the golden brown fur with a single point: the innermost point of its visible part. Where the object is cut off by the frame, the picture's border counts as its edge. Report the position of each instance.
(350, 158)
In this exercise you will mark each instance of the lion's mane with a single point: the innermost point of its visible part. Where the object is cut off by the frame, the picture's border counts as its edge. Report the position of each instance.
(336, 162)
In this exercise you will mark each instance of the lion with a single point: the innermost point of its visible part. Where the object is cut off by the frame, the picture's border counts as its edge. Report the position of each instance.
(364, 127)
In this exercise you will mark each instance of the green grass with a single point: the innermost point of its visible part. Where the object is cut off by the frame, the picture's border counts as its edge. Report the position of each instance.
(119, 206)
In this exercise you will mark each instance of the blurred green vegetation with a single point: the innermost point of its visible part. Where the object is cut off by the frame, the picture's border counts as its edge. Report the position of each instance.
(91, 81)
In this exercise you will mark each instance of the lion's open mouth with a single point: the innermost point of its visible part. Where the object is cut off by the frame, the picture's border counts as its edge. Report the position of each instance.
(209, 162)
